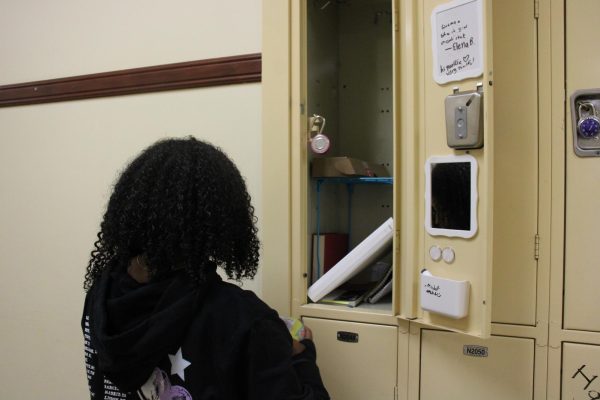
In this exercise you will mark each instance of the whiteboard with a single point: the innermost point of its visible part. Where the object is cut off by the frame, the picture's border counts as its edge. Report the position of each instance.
(457, 40)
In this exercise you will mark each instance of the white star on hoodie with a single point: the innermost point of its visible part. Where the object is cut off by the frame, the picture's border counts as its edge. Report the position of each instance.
(178, 364)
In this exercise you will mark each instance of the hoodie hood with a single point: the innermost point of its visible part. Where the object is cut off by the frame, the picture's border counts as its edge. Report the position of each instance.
(135, 326)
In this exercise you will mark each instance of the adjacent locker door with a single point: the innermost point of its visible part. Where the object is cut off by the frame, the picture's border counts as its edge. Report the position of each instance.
(581, 294)
(357, 361)
(515, 163)
(456, 366)
(580, 370)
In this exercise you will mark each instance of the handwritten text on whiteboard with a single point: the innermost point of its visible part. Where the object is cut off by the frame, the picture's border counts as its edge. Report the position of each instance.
(457, 40)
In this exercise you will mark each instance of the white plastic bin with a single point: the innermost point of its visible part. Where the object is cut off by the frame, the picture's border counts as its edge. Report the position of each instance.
(444, 296)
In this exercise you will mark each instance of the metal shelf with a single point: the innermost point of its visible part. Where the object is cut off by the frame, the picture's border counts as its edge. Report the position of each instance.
(355, 180)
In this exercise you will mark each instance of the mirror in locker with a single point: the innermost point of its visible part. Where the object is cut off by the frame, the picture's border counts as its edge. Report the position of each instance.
(348, 83)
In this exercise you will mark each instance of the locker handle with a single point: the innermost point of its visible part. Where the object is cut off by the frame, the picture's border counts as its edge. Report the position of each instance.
(349, 337)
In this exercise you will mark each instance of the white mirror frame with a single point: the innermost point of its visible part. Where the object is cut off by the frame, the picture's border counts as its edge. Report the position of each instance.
(474, 197)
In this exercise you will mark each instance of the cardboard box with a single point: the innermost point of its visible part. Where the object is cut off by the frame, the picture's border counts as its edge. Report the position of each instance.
(345, 166)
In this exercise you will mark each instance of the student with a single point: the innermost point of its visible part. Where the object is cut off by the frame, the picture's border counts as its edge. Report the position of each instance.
(158, 321)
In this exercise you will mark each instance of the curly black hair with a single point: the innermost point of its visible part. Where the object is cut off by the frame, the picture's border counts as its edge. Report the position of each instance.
(181, 204)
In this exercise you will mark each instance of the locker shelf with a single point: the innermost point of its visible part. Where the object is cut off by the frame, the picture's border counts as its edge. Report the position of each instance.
(356, 180)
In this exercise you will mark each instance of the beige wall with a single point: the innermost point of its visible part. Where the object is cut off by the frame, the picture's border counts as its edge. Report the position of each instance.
(51, 39)
(57, 161)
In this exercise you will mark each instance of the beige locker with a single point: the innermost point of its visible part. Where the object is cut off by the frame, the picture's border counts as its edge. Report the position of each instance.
(473, 255)
(357, 361)
(580, 371)
(499, 261)
(358, 63)
(345, 74)
(510, 160)
(514, 287)
(582, 274)
(455, 366)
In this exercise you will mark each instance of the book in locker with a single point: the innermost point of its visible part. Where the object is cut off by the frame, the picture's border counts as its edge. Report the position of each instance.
(363, 255)
(350, 296)
(382, 288)
(327, 250)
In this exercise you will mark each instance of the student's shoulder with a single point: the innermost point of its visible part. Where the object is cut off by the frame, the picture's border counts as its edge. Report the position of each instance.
(236, 301)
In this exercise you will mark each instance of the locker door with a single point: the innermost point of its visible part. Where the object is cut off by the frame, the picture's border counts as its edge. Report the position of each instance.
(357, 361)
(506, 202)
(455, 366)
(581, 367)
(581, 295)
(465, 277)
(515, 163)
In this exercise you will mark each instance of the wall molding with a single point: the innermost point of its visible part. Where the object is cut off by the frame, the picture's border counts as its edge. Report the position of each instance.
(202, 73)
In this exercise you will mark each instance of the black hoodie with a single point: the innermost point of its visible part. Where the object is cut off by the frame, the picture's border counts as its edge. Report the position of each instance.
(189, 342)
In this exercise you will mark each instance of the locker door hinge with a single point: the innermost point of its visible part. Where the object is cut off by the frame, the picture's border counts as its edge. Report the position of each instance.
(537, 247)
(301, 108)
(536, 9)
(395, 392)
(396, 18)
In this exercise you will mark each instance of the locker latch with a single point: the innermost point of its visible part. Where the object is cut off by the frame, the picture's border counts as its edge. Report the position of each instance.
(464, 119)
(585, 105)
(349, 337)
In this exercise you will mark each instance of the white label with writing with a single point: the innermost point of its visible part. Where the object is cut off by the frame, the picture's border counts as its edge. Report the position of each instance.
(457, 40)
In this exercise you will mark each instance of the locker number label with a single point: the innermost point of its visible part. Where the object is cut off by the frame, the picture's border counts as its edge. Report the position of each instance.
(472, 350)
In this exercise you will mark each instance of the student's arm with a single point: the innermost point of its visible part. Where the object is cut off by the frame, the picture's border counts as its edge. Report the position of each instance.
(274, 373)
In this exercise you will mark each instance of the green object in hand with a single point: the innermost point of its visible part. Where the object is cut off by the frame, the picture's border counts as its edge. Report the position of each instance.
(295, 326)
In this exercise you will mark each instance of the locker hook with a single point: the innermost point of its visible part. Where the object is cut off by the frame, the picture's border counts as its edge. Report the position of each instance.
(317, 124)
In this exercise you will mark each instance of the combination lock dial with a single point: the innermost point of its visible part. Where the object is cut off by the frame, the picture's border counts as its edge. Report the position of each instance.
(588, 125)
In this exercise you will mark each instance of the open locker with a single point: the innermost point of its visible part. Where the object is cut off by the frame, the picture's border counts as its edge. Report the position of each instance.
(349, 112)
(350, 82)
(367, 94)
(507, 289)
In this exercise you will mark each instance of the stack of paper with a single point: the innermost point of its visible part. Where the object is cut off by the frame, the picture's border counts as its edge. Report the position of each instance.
(363, 255)
(352, 294)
